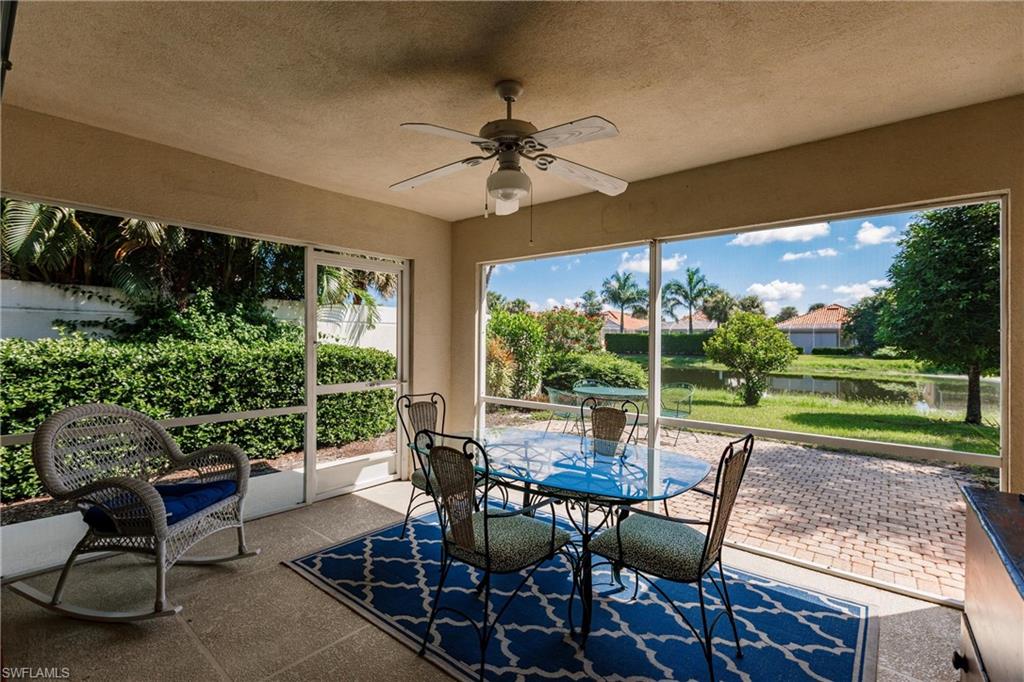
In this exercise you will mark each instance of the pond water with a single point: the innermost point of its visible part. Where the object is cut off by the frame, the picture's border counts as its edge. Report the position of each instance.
(926, 393)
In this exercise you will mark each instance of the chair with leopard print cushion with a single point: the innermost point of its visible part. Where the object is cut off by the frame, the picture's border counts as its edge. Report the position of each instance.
(476, 534)
(670, 548)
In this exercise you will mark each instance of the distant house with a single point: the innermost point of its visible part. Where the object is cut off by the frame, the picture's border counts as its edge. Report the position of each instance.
(701, 323)
(821, 328)
(630, 324)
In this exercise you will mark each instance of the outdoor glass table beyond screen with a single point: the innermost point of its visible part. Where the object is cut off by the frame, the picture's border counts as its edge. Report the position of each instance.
(569, 463)
(611, 392)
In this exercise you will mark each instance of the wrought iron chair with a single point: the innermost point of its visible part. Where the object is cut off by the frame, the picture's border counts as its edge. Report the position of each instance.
(419, 415)
(678, 404)
(108, 461)
(607, 424)
(570, 422)
(488, 540)
(655, 545)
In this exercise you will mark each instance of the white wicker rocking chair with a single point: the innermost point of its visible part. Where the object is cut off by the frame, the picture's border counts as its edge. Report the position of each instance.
(107, 461)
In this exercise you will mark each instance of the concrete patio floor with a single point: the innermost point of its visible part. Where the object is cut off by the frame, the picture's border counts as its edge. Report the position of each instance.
(257, 619)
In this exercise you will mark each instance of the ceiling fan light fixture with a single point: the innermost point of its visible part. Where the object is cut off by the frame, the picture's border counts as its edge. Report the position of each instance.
(507, 187)
(506, 206)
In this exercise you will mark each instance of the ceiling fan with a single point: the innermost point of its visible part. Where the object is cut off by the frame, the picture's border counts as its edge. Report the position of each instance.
(509, 140)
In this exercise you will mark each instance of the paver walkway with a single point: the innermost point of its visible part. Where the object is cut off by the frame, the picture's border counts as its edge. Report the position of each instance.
(897, 521)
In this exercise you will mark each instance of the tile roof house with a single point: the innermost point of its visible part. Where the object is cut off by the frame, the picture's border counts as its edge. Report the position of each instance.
(701, 323)
(820, 328)
(630, 324)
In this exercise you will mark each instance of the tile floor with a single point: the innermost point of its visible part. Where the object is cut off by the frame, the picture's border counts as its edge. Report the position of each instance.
(257, 619)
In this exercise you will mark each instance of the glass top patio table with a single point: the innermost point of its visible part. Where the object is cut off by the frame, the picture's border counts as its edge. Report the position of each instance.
(612, 392)
(569, 464)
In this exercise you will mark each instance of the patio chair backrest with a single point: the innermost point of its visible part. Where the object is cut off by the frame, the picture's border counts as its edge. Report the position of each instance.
(607, 423)
(731, 468)
(420, 415)
(87, 443)
(454, 475)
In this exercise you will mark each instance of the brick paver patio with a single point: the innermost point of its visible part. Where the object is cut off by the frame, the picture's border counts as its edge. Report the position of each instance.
(897, 521)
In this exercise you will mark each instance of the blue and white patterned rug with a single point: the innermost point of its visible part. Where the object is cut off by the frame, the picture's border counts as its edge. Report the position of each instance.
(788, 633)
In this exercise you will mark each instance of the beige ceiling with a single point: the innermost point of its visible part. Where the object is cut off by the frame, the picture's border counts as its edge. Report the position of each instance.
(314, 92)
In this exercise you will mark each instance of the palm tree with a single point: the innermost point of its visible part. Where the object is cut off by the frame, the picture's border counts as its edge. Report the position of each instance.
(751, 304)
(718, 305)
(40, 237)
(621, 291)
(691, 293)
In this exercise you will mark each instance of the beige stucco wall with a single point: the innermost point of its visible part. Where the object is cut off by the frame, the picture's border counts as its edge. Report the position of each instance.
(974, 150)
(61, 161)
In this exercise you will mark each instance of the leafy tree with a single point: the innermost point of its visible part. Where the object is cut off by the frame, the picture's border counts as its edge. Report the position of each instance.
(751, 345)
(518, 305)
(718, 305)
(690, 293)
(751, 304)
(622, 291)
(590, 303)
(815, 306)
(787, 313)
(945, 293)
(566, 330)
(523, 336)
(862, 322)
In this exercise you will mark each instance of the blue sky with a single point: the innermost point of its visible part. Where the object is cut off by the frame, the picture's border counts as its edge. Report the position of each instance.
(839, 261)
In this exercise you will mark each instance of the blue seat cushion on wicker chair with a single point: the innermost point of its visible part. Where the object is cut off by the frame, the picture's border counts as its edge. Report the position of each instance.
(181, 500)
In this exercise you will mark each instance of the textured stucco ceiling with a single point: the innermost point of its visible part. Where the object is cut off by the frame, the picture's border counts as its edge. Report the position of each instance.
(314, 92)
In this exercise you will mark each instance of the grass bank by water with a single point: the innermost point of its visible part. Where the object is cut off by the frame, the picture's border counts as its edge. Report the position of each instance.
(888, 422)
(830, 366)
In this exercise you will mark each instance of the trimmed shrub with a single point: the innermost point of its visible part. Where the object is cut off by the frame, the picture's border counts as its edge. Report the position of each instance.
(174, 378)
(752, 345)
(835, 351)
(672, 343)
(564, 369)
(523, 336)
(568, 330)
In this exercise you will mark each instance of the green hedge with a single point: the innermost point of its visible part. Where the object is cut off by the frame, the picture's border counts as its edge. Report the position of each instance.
(562, 370)
(672, 343)
(823, 350)
(173, 378)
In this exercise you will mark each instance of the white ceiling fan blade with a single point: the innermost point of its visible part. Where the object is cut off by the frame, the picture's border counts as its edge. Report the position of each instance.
(417, 180)
(574, 132)
(580, 174)
(441, 131)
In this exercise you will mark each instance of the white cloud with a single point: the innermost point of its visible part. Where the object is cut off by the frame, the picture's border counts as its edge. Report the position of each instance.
(534, 306)
(820, 253)
(673, 262)
(564, 303)
(851, 293)
(503, 267)
(796, 233)
(870, 235)
(641, 262)
(823, 287)
(777, 290)
(772, 308)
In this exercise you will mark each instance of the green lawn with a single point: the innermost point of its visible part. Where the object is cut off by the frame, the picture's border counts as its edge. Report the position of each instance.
(832, 366)
(850, 419)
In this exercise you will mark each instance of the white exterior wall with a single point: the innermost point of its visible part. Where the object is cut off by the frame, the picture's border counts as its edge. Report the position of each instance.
(28, 311)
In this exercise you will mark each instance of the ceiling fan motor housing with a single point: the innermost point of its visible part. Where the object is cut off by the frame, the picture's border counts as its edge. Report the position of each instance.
(507, 130)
